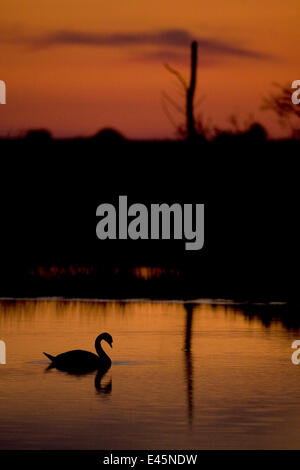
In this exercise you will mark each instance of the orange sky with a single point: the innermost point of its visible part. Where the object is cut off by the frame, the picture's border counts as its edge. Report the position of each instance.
(74, 67)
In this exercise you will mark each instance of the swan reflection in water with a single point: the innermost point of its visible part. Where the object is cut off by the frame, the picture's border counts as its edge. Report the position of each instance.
(79, 362)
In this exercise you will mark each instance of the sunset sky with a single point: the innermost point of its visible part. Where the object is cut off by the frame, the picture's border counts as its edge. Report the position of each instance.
(75, 67)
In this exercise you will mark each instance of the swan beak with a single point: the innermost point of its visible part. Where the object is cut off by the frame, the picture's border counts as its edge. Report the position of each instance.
(110, 344)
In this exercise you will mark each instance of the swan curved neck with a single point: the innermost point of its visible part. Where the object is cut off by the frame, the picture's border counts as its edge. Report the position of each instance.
(101, 353)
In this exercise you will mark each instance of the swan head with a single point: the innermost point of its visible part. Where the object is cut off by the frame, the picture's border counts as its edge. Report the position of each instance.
(106, 337)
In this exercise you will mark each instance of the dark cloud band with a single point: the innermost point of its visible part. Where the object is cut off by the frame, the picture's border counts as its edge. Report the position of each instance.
(175, 38)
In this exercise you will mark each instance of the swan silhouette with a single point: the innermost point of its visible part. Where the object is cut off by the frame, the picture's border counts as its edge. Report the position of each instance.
(83, 361)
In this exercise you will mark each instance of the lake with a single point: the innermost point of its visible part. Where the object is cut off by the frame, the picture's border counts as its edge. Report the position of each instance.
(201, 375)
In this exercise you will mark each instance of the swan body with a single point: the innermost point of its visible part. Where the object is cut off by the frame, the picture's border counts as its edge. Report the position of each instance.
(79, 360)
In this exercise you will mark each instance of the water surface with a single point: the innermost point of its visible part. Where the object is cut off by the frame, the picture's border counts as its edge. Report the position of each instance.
(193, 376)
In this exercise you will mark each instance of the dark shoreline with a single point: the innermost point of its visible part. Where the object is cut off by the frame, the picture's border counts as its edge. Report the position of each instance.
(50, 191)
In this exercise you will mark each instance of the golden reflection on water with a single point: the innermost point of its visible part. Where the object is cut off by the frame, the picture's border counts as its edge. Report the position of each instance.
(184, 375)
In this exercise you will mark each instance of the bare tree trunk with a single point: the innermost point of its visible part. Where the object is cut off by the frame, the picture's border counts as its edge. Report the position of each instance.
(191, 131)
